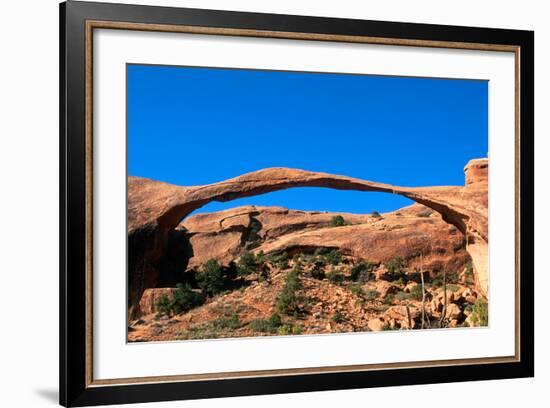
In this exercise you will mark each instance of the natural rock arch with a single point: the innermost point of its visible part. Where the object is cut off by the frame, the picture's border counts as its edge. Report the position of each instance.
(155, 209)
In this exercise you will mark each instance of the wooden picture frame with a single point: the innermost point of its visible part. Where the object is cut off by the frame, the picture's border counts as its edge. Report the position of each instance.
(78, 20)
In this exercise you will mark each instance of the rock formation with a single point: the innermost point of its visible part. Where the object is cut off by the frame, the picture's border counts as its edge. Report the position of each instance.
(156, 209)
(406, 233)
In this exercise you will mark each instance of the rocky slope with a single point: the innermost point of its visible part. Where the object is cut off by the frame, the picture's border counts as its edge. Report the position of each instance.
(333, 302)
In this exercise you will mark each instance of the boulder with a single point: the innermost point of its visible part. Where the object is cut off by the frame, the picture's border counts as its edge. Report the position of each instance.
(383, 288)
(148, 302)
(453, 312)
(376, 324)
(400, 316)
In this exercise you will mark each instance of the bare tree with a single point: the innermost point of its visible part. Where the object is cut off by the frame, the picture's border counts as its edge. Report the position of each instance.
(423, 291)
(444, 313)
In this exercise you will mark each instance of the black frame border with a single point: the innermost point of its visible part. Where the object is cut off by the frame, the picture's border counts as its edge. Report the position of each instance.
(73, 389)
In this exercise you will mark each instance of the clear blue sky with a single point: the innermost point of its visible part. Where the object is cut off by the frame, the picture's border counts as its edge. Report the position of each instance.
(192, 126)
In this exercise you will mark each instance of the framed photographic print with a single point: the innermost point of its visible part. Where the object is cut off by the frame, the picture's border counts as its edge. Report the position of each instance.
(256, 203)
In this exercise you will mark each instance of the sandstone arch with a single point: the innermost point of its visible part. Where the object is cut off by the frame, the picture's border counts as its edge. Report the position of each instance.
(155, 209)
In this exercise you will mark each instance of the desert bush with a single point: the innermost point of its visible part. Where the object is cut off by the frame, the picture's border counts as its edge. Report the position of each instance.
(269, 325)
(375, 214)
(287, 302)
(184, 298)
(395, 265)
(337, 221)
(255, 227)
(211, 279)
(451, 287)
(388, 300)
(356, 290)
(333, 257)
(371, 294)
(287, 329)
(307, 258)
(480, 313)
(247, 264)
(164, 306)
(328, 256)
(335, 277)
(229, 322)
(451, 277)
(362, 271)
(436, 283)
(402, 296)
(317, 272)
(279, 260)
(338, 317)
(416, 292)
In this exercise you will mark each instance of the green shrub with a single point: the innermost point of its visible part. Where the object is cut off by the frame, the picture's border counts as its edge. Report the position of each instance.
(307, 258)
(388, 300)
(375, 214)
(416, 292)
(337, 221)
(260, 258)
(335, 277)
(395, 265)
(480, 312)
(436, 283)
(452, 287)
(362, 271)
(451, 277)
(231, 322)
(185, 298)
(317, 272)
(371, 294)
(164, 306)
(247, 264)
(269, 325)
(211, 279)
(321, 251)
(328, 256)
(338, 317)
(287, 302)
(279, 260)
(255, 227)
(402, 296)
(333, 257)
(356, 290)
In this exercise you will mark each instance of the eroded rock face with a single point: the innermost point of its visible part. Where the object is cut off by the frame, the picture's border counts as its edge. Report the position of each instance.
(155, 210)
(406, 233)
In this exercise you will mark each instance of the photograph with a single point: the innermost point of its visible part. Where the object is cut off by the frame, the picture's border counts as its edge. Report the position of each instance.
(286, 203)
